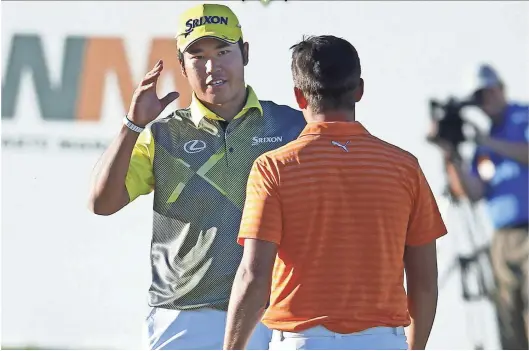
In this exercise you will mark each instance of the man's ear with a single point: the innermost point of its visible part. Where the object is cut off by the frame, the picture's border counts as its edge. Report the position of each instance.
(359, 91)
(181, 61)
(300, 98)
(183, 68)
(245, 53)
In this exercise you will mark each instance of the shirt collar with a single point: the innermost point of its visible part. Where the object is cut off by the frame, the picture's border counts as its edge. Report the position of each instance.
(199, 111)
(334, 128)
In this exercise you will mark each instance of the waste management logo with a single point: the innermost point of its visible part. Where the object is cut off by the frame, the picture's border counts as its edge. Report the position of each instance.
(78, 95)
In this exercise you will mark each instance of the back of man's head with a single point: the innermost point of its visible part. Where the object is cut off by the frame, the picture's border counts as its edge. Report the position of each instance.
(326, 69)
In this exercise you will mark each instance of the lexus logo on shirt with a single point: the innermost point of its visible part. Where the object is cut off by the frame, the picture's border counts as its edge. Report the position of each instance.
(194, 146)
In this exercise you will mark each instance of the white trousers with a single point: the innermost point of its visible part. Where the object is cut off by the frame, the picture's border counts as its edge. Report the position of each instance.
(319, 338)
(201, 329)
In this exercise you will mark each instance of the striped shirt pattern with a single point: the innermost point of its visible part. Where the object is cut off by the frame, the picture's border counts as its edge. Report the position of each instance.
(342, 205)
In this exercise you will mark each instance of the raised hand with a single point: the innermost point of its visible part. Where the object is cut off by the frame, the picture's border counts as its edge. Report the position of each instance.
(146, 105)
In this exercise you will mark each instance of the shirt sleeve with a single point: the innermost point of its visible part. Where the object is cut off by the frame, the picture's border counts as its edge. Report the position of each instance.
(426, 223)
(140, 176)
(262, 215)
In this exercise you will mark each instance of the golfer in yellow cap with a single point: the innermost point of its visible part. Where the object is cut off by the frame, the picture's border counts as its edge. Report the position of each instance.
(196, 161)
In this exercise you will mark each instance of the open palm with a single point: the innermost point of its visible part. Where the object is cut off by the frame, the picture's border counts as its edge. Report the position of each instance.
(146, 105)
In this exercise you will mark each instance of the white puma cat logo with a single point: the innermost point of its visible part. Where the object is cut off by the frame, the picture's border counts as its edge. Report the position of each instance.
(344, 146)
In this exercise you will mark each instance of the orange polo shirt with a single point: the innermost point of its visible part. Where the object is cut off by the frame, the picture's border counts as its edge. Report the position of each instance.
(342, 205)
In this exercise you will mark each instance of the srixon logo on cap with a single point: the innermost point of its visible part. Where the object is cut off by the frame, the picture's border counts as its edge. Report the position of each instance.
(192, 23)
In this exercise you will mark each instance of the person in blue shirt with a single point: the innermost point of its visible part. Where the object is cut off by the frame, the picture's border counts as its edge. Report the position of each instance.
(498, 174)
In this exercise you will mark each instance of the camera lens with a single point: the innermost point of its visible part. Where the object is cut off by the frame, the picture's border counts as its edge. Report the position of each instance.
(477, 97)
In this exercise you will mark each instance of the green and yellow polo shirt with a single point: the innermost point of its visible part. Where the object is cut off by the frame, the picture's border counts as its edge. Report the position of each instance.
(197, 164)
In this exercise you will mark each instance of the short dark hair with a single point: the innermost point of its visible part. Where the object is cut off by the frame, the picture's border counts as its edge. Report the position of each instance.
(327, 70)
(240, 42)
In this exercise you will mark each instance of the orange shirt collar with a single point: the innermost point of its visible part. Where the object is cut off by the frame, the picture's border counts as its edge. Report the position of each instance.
(334, 128)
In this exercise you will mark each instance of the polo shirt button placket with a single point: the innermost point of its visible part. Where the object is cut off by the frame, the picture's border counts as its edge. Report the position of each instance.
(229, 148)
(229, 153)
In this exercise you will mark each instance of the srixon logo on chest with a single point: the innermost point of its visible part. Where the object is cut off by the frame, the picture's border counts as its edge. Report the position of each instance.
(273, 139)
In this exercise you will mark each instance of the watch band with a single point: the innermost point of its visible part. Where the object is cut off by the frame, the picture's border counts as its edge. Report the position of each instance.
(132, 126)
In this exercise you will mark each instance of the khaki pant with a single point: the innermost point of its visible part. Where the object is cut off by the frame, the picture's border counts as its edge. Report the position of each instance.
(509, 254)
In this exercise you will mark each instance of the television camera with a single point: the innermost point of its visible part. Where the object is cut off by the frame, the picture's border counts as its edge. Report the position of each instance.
(449, 120)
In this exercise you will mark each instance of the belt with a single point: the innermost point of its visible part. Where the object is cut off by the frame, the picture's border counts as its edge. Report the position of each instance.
(524, 226)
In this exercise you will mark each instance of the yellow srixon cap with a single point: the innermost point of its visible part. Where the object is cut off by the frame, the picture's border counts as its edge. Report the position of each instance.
(207, 21)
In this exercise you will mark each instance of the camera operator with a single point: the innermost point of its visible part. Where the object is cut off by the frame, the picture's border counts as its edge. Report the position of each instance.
(498, 173)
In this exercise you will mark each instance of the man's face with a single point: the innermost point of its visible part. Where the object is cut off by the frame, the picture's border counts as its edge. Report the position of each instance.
(491, 101)
(215, 70)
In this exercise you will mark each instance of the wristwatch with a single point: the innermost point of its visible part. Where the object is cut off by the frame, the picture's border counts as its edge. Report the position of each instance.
(132, 126)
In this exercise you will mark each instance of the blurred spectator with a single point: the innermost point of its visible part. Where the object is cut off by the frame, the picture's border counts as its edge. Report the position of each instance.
(498, 173)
